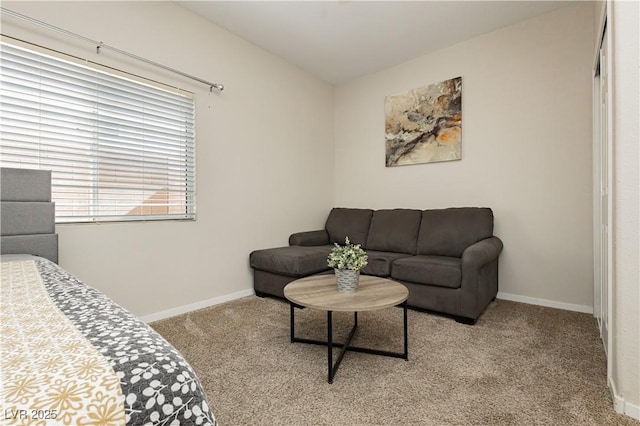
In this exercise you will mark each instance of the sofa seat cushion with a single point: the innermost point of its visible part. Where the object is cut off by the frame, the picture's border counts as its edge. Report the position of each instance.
(394, 230)
(295, 261)
(439, 271)
(379, 262)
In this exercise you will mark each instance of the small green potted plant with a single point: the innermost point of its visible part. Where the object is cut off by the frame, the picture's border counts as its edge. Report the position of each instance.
(347, 261)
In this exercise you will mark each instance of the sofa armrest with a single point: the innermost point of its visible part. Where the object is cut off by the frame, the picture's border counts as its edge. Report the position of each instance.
(481, 253)
(309, 238)
(479, 284)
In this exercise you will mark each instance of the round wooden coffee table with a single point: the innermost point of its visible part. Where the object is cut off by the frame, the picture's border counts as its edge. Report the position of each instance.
(320, 292)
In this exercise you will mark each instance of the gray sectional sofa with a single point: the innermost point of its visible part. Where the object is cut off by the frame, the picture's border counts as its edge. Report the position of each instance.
(447, 258)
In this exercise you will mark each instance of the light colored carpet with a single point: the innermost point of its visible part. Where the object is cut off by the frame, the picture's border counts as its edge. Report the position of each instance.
(520, 364)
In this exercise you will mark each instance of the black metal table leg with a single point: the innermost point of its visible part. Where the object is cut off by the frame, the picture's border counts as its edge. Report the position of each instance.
(331, 371)
(292, 325)
(332, 367)
(406, 332)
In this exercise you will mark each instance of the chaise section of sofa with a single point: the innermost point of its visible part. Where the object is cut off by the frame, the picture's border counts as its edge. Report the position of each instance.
(447, 258)
(307, 251)
(275, 268)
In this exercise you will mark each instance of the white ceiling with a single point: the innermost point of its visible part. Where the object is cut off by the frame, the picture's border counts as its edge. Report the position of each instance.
(341, 40)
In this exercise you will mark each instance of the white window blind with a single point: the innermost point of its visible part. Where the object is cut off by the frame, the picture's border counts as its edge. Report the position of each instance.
(118, 149)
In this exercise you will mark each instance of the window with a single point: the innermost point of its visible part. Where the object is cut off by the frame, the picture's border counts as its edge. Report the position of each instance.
(119, 149)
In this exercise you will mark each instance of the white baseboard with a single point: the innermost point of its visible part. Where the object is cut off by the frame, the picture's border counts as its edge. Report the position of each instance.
(545, 302)
(620, 405)
(632, 411)
(195, 306)
(244, 293)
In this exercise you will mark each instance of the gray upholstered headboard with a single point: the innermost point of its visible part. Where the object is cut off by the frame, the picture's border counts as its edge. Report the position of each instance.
(27, 215)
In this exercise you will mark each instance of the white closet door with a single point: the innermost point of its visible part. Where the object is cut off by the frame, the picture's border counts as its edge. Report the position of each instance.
(602, 193)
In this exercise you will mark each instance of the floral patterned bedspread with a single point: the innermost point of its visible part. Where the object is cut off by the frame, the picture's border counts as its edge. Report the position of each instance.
(70, 355)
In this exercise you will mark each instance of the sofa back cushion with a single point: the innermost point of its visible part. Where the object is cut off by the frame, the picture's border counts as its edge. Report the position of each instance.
(448, 232)
(394, 230)
(352, 223)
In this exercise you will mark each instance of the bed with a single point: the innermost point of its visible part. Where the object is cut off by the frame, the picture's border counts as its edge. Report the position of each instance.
(69, 354)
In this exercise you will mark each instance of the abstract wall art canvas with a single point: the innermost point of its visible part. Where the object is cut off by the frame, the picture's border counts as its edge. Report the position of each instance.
(424, 125)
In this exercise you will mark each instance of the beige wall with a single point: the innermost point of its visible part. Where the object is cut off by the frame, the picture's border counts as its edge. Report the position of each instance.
(626, 200)
(526, 149)
(264, 154)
